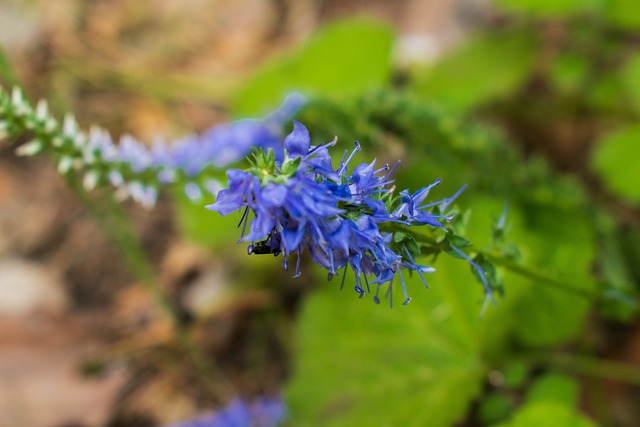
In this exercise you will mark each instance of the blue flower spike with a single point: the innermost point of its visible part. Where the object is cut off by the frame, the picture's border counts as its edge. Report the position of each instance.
(135, 169)
(343, 219)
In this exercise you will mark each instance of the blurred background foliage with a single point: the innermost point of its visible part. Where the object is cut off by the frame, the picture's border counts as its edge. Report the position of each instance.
(536, 109)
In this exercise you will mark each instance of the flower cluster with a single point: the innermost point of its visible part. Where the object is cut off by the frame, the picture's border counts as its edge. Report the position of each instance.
(298, 199)
(263, 412)
(299, 202)
(133, 168)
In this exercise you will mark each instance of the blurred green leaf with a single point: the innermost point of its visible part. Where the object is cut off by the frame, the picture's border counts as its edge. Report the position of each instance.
(487, 67)
(623, 13)
(202, 226)
(560, 242)
(630, 73)
(363, 364)
(607, 95)
(629, 239)
(613, 159)
(569, 71)
(424, 363)
(547, 8)
(548, 414)
(345, 58)
(494, 408)
(614, 262)
(548, 221)
(554, 388)
(515, 374)
(555, 240)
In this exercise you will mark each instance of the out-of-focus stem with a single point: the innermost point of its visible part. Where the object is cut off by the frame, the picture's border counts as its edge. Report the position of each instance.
(539, 276)
(589, 366)
(112, 219)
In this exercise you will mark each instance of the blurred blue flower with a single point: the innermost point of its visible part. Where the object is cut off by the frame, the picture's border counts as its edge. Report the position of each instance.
(262, 412)
(187, 158)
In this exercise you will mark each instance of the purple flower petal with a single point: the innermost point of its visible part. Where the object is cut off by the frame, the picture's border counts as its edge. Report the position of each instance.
(297, 143)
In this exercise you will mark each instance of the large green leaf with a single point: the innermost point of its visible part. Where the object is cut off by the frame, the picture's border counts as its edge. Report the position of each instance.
(559, 242)
(487, 67)
(614, 157)
(554, 240)
(363, 364)
(345, 58)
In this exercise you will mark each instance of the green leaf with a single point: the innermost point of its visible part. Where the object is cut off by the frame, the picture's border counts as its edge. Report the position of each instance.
(608, 94)
(550, 315)
(629, 74)
(290, 166)
(569, 71)
(424, 364)
(555, 240)
(623, 13)
(560, 243)
(515, 374)
(614, 262)
(205, 227)
(458, 241)
(554, 388)
(344, 58)
(614, 160)
(547, 8)
(548, 414)
(487, 67)
(399, 236)
(359, 363)
(494, 408)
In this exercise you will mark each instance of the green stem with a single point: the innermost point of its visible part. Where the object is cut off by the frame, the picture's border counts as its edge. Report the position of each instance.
(522, 270)
(539, 276)
(512, 266)
(590, 366)
(112, 219)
